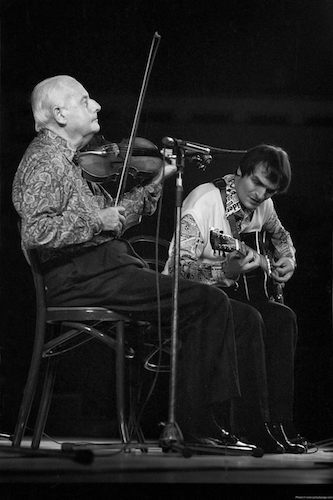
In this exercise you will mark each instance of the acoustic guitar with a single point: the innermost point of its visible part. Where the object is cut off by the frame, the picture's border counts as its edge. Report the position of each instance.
(257, 284)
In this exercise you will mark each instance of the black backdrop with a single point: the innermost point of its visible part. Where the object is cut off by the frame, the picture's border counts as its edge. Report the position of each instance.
(247, 53)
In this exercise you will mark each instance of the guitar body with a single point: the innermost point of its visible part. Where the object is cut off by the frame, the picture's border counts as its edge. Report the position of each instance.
(255, 285)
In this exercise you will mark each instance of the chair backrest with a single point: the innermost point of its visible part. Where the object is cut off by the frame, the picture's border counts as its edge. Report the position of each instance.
(32, 258)
(153, 251)
(34, 262)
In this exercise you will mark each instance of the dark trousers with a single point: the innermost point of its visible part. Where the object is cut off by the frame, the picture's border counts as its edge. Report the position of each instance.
(266, 334)
(112, 275)
(252, 408)
(280, 338)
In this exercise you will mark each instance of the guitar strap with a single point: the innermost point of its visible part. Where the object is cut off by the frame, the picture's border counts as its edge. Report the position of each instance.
(221, 185)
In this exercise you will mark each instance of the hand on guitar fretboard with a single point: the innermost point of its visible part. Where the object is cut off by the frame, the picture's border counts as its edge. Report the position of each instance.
(223, 243)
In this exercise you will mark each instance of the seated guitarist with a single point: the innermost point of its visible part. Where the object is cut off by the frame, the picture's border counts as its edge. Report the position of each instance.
(266, 330)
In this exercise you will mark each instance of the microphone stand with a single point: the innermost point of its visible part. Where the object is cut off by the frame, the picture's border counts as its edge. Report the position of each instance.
(171, 438)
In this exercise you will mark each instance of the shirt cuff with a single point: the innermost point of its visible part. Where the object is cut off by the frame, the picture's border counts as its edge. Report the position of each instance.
(96, 223)
(220, 278)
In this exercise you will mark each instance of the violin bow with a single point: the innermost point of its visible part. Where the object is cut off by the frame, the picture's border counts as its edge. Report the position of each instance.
(152, 53)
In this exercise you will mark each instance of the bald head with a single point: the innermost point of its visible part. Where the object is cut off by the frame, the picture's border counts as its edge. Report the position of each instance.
(48, 94)
(61, 104)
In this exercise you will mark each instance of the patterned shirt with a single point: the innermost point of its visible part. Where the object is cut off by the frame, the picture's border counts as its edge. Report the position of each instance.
(204, 207)
(58, 209)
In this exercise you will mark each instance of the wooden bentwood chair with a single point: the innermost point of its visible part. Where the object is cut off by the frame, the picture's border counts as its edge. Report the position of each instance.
(58, 330)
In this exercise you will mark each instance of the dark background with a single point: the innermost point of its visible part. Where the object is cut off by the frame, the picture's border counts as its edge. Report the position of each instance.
(231, 74)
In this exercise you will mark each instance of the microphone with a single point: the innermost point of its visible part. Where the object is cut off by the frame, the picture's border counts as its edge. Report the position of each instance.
(195, 147)
(171, 142)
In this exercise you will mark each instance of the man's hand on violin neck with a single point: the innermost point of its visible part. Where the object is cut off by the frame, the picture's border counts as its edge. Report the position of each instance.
(168, 169)
(112, 219)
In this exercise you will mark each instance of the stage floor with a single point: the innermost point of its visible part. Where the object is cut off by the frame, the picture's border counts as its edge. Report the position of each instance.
(106, 463)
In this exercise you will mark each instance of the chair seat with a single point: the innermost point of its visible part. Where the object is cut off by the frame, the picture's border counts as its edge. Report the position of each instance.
(83, 314)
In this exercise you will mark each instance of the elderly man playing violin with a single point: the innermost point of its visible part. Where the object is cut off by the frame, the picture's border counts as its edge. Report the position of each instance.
(77, 231)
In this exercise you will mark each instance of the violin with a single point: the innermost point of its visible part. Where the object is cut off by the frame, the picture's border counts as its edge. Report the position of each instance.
(104, 163)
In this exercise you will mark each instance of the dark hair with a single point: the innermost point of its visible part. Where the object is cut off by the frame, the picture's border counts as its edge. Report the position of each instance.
(274, 158)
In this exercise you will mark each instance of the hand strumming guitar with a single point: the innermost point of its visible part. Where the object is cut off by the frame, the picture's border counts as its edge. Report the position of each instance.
(283, 269)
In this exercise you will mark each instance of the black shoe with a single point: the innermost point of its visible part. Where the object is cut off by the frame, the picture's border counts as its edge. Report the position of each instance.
(227, 439)
(228, 445)
(279, 434)
(298, 439)
(212, 435)
(263, 438)
(221, 439)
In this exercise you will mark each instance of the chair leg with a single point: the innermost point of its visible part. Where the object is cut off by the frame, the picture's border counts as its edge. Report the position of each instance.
(29, 392)
(135, 385)
(120, 383)
(45, 401)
